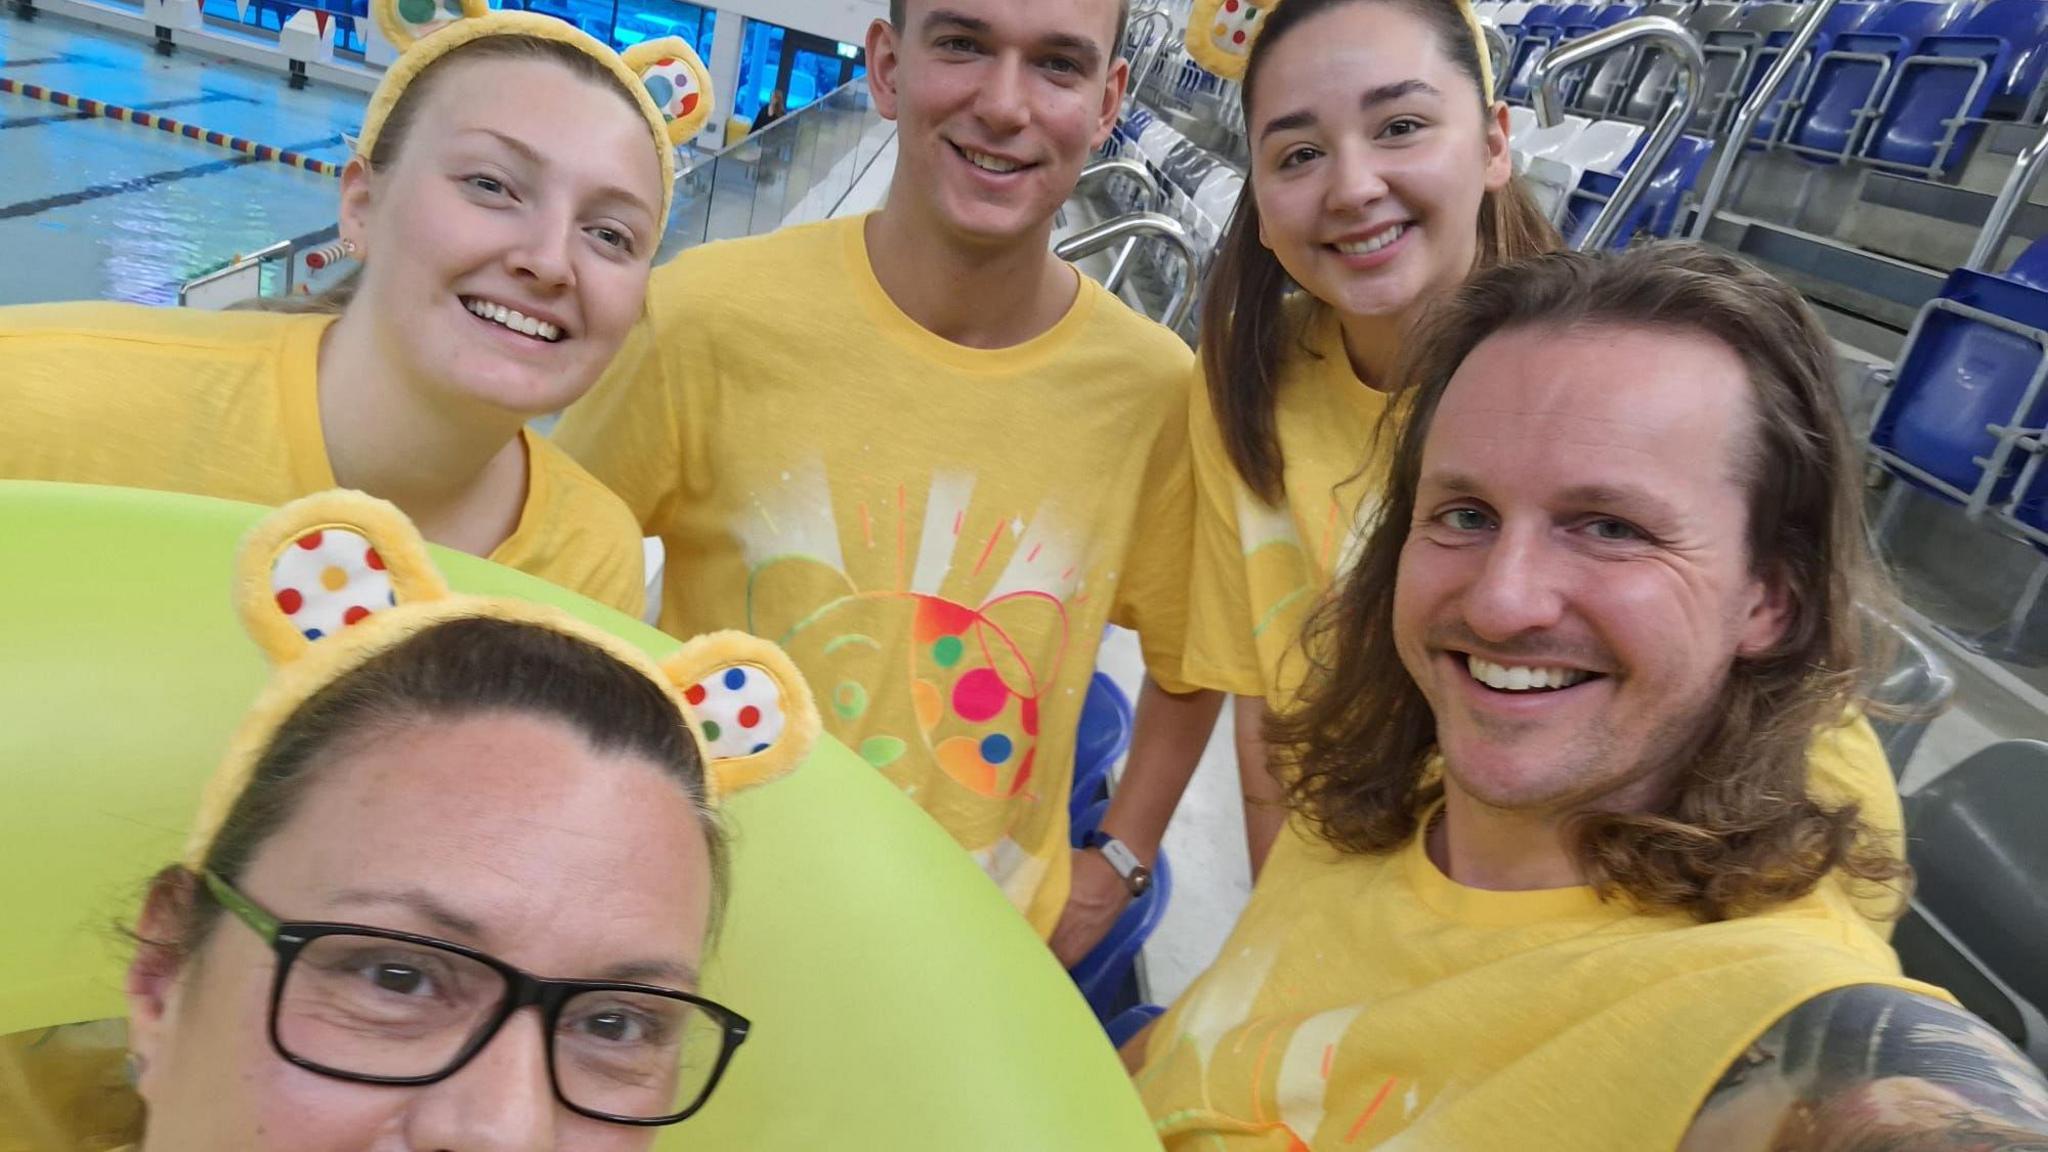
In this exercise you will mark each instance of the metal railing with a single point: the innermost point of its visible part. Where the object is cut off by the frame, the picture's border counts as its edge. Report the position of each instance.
(1737, 140)
(1154, 197)
(796, 170)
(1150, 32)
(2019, 185)
(1137, 225)
(1657, 32)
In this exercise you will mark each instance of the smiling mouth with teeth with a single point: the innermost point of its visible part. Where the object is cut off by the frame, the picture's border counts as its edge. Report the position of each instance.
(988, 163)
(1375, 243)
(1524, 678)
(525, 325)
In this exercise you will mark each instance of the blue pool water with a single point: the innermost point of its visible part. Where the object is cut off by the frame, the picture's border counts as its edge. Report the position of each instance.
(91, 208)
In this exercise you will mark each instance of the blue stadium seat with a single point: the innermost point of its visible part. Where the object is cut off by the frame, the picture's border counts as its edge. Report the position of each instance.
(1850, 79)
(1969, 382)
(1102, 738)
(2024, 26)
(1921, 122)
(1105, 974)
(1844, 17)
(2031, 268)
(1531, 38)
(1656, 213)
(1587, 19)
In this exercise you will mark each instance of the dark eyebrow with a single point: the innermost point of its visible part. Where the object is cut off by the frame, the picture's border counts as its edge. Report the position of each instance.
(462, 929)
(938, 17)
(1399, 88)
(1450, 484)
(1301, 119)
(1086, 52)
(1371, 97)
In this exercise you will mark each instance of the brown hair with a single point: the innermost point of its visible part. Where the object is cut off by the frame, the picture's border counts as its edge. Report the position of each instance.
(398, 124)
(1740, 831)
(1246, 338)
(448, 672)
(1123, 20)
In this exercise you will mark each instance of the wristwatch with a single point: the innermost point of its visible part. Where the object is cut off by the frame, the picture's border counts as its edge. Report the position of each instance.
(1136, 876)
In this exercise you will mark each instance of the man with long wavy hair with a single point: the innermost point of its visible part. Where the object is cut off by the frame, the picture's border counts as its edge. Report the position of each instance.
(1555, 877)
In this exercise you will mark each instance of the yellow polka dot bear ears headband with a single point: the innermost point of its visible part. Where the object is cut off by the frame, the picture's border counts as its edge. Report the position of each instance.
(328, 582)
(1221, 34)
(666, 78)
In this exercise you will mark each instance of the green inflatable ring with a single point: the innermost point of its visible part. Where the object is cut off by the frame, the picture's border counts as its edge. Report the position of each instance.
(899, 1002)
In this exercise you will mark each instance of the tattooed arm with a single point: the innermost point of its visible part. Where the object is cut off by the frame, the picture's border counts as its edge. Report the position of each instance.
(1875, 1069)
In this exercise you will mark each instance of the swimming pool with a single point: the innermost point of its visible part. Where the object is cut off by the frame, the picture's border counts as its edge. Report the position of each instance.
(94, 208)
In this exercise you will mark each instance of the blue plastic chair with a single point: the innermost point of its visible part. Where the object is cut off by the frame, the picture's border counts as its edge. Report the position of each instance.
(1102, 738)
(1656, 212)
(1531, 38)
(2031, 269)
(1107, 975)
(1843, 18)
(1947, 81)
(1972, 375)
(1851, 79)
(2023, 24)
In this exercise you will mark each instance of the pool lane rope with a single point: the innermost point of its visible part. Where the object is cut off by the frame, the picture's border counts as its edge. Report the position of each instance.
(107, 111)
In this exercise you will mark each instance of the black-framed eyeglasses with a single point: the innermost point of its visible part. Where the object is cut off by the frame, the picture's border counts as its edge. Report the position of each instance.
(381, 1007)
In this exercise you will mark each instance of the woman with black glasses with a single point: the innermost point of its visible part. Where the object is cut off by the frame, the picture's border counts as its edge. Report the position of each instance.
(452, 886)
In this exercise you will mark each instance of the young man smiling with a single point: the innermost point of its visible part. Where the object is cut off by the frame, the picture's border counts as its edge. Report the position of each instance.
(931, 459)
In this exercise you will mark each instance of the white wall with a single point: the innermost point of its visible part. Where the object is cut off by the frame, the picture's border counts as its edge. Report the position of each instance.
(843, 20)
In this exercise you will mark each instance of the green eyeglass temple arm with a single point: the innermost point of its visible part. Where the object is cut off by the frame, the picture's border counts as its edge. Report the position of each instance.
(244, 908)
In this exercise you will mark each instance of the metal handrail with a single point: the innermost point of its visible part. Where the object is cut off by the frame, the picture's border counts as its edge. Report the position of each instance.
(2019, 185)
(1122, 166)
(1737, 139)
(1660, 32)
(281, 250)
(1499, 52)
(691, 160)
(1154, 198)
(1149, 51)
(1136, 224)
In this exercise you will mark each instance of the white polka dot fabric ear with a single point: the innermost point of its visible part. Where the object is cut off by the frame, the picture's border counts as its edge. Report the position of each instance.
(1221, 34)
(750, 706)
(677, 81)
(322, 565)
(739, 711)
(330, 579)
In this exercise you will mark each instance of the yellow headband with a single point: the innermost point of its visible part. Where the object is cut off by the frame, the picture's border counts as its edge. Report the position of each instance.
(666, 78)
(1221, 34)
(328, 582)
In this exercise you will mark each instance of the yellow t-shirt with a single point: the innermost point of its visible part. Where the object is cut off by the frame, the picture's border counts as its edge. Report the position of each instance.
(63, 1090)
(1370, 1001)
(1258, 570)
(937, 534)
(226, 404)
